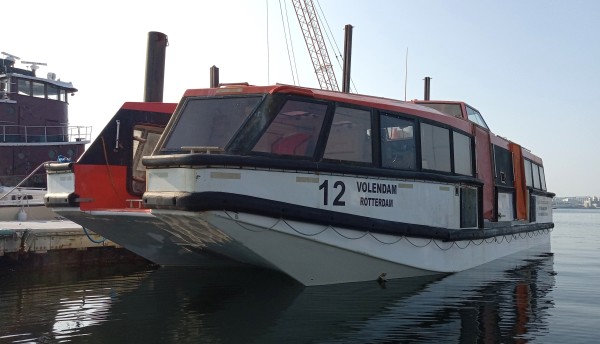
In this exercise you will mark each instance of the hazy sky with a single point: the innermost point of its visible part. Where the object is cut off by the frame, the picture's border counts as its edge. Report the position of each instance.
(531, 67)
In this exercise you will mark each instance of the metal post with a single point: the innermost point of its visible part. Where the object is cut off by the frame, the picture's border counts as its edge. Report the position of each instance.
(155, 66)
(347, 58)
(214, 77)
(427, 87)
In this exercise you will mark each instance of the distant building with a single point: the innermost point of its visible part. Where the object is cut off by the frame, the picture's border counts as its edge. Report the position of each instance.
(576, 202)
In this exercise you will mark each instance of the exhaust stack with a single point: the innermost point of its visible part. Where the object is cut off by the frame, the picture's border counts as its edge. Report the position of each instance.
(214, 77)
(155, 66)
(427, 88)
(347, 59)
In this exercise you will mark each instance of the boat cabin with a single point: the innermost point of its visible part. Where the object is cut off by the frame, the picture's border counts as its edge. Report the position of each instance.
(34, 110)
(34, 122)
(287, 127)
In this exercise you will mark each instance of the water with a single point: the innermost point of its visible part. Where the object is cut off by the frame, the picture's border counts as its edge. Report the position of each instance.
(551, 298)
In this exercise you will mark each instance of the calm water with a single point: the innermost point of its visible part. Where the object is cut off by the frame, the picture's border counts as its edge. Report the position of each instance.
(551, 298)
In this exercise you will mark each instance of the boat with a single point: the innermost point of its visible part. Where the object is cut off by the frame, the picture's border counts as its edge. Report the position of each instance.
(330, 187)
(109, 173)
(110, 178)
(34, 128)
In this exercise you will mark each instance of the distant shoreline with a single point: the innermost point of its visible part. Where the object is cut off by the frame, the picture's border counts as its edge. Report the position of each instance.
(576, 208)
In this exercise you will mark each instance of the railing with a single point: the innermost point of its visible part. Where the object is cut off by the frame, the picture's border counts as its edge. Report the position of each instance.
(23, 181)
(19, 134)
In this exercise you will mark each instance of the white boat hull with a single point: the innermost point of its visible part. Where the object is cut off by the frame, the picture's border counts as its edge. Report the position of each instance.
(319, 255)
(143, 234)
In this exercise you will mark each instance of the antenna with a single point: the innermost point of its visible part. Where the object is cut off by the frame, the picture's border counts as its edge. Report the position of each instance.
(405, 73)
(34, 65)
(10, 57)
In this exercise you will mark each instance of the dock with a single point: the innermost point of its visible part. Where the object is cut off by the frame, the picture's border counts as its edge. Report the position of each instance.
(56, 244)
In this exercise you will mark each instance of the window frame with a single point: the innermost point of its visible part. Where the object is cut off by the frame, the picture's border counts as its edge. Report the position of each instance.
(415, 139)
(328, 126)
(320, 137)
(450, 147)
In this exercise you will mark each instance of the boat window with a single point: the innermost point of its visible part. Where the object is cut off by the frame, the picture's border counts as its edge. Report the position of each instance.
(475, 117)
(38, 90)
(209, 122)
(52, 92)
(503, 166)
(449, 109)
(24, 87)
(435, 148)
(3, 87)
(462, 154)
(349, 137)
(62, 95)
(295, 129)
(398, 149)
(536, 176)
(145, 139)
(528, 173)
(542, 178)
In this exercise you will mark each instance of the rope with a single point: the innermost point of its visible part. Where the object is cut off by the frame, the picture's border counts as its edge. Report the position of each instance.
(400, 238)
(92, 240)
(25, 179)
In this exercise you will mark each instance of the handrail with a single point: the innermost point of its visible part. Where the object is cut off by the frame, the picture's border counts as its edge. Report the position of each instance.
(24, 180)
(40, 133)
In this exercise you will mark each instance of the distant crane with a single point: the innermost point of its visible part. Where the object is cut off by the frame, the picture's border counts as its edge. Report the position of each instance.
(309, 24)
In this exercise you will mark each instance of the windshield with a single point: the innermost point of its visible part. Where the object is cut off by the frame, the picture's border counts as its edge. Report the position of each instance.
(475, 117)
(450, 109)
(210, 122)
(295, 129)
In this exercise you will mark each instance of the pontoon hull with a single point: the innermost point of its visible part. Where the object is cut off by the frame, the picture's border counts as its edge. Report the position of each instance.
(143, 234)
(312, 254)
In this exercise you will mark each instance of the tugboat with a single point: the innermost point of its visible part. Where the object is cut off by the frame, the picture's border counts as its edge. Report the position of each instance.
(34, 128)
(330, 187)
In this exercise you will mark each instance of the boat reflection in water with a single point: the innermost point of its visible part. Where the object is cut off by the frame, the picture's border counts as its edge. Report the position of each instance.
(503, 301)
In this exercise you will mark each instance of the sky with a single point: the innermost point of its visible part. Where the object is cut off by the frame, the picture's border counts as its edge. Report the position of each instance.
(532, 68)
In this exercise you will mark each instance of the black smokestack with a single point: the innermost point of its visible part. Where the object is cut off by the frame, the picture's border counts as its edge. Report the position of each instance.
(155, 66)
(347, 59)
(214, 77)
(427, 87)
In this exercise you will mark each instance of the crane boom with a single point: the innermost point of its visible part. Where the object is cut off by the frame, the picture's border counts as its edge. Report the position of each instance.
(309, 24)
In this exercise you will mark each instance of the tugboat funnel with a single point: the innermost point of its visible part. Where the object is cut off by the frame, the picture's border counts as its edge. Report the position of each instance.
(155, 66)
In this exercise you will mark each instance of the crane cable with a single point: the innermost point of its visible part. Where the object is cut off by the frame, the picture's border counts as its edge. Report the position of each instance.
(286, 32)
(268, 49)
(291, 43)
(338, 54)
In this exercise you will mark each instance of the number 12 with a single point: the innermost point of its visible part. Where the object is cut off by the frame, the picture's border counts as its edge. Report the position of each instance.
(325, 187)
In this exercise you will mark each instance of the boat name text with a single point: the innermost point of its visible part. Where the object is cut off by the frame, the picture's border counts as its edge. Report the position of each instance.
(380, 188)
(376, 202)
